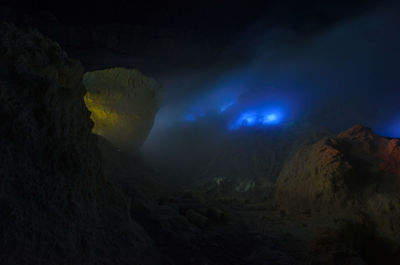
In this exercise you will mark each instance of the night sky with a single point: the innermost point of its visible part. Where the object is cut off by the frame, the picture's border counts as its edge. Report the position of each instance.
(205, 16)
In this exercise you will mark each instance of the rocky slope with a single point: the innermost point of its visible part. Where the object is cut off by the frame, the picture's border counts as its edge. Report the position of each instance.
(355, 171)
(55, 202)
(123, 104)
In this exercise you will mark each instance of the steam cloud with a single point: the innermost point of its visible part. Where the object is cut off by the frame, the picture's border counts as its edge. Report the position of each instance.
(343, 75)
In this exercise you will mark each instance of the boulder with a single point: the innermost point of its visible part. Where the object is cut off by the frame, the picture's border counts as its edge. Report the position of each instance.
(355, 171)
(123, 104)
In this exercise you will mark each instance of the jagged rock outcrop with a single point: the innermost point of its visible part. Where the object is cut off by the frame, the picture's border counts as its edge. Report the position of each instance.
(356, 170)
(56, 205)
(123, 103)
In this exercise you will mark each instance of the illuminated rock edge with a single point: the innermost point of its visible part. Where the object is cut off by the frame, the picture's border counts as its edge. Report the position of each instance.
(123, 104)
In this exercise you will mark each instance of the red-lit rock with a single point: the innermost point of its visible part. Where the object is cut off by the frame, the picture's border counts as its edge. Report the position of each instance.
(354, 171)
(391, 157)
(387, 150)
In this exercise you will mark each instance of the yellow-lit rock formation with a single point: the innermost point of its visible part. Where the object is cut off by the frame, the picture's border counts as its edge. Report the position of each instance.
(123, 103)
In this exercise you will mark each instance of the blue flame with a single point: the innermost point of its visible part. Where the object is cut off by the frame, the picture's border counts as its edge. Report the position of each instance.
(257, 118)
(247, 119)
(271, 118)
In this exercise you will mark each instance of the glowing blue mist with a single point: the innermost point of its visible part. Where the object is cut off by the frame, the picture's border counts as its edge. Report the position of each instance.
(390, 129)
(303, 79)
(226, 106)
(261, 117)
(190, 117)
(194, 114)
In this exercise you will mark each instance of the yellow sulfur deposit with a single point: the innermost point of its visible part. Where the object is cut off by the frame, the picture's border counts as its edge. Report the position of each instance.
(123, 104)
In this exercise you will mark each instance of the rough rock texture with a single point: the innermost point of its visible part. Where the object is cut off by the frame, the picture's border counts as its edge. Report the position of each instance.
(356, 170)
(386, 150)
(56, 206)
(123, 103)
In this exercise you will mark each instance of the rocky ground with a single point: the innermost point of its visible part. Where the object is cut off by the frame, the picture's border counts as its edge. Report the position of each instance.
(219, 222)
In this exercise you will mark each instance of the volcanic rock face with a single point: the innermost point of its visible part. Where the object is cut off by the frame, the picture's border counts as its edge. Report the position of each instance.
(123, 103)
(54, 199)
(356, 169)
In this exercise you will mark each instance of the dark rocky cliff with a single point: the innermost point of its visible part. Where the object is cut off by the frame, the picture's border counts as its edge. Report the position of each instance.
(56, 205)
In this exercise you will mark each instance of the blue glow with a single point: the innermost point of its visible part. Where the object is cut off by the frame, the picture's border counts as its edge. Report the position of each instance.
(390, 129)
(247, 119)
(190, 117)
(257, 118)
(243, 98)
(270, 118)
(224, 107)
